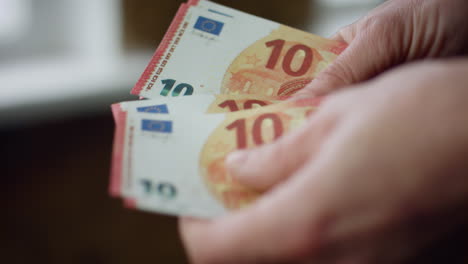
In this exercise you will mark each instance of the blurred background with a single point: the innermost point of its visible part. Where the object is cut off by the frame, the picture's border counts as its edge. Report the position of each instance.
(62, 63)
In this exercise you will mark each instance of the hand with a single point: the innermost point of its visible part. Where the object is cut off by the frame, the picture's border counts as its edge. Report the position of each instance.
(396, 32)
(391, 177)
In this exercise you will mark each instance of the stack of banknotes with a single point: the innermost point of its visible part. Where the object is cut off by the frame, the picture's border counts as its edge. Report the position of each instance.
(217, 83)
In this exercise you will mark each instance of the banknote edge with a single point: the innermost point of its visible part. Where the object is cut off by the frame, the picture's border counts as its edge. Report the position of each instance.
(162, 48)
(120, 118)
(130, 203)
(193, 2)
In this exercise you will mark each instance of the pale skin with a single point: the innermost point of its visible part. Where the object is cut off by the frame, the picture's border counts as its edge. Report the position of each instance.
(380, 171)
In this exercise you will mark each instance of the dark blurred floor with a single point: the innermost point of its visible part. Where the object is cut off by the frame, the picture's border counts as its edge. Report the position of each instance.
(54, 182)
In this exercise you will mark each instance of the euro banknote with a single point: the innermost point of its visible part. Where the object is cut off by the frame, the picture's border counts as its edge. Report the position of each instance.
(197, 104)
(210, 48)
(173, 161)
(203, 103)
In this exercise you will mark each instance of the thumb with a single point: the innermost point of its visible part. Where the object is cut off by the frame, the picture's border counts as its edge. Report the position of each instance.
(369, 53)
(265, 166)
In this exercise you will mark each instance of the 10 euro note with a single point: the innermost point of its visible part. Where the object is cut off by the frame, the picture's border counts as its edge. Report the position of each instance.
(197, 104)
(176, 161)
(210, 48)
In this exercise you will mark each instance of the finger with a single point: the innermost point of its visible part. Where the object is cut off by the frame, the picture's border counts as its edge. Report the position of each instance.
(339, 37)
(290, 223)
(369, 53)
(265, 166)
(281, 226)
(277, 228)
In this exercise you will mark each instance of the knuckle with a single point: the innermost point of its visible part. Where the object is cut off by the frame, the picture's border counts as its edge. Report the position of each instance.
(380, 27)
(338, 73)
(370, 24)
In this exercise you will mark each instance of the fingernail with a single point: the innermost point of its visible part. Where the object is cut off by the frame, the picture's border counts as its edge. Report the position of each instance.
(235, 160)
